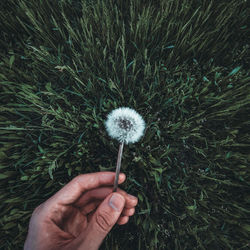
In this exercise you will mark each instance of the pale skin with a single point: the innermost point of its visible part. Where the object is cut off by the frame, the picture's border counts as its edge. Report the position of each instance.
(80, 215)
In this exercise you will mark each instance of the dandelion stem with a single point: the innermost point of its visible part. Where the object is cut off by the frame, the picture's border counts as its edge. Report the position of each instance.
(118, 166)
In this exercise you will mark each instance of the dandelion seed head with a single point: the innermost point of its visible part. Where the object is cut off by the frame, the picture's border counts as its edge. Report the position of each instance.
(125, 125)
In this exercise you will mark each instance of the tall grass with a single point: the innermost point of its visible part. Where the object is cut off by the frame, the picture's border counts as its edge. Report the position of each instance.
(183, 65)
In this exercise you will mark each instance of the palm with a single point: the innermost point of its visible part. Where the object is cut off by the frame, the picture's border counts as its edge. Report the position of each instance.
(73, 220)
(66, 223)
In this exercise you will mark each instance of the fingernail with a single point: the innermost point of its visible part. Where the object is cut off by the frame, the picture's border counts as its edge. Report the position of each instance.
(116, 202)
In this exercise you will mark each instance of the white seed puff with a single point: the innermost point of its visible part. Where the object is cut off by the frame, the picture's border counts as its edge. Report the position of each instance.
(125, 125)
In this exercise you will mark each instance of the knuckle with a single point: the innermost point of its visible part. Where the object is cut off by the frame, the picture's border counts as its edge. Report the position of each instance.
(103, 221)
(38, 210)
(78, 177)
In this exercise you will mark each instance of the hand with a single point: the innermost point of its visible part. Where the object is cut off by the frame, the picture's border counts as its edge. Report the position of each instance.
(80, 215)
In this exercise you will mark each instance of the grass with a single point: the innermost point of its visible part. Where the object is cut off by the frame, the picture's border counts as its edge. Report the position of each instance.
(183, 65)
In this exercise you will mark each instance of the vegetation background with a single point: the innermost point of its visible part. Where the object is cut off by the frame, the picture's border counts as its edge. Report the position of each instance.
(182, 64)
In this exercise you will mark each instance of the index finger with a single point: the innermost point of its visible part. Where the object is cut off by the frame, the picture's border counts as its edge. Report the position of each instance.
(82, 183)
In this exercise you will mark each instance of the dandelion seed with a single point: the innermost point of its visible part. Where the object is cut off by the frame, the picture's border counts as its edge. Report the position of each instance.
(126, 126)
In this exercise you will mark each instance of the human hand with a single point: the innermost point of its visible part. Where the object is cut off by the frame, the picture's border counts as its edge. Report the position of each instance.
(80, 215)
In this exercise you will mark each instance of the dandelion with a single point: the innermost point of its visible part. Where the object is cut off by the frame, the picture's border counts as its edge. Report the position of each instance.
(126, 126)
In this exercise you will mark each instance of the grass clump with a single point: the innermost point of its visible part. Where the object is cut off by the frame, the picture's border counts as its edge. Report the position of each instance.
(183, 65)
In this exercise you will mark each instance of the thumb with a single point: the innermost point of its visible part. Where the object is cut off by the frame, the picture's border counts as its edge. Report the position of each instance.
(103, 220)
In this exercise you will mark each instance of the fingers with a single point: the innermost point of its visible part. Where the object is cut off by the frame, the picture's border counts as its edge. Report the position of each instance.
(101, 193)
(90, 208)
(105, 217)
(92, 195)
(131, 201)
(123, 220)
(82, 183)
(128, 211)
